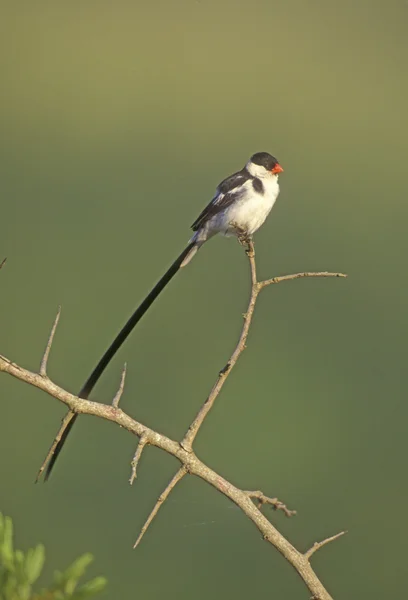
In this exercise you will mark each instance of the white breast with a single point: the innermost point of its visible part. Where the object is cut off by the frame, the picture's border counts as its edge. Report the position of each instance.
(250, 212)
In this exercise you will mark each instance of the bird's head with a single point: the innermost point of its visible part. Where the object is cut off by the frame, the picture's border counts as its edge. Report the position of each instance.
(263, 164)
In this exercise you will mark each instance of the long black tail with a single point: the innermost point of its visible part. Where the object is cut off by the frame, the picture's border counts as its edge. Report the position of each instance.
(90, 383)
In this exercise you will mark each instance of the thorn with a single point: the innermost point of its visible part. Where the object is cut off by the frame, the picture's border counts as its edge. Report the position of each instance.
(118, 395)
(44, 361)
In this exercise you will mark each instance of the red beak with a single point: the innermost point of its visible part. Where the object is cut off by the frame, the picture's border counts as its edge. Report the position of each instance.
(276, 169)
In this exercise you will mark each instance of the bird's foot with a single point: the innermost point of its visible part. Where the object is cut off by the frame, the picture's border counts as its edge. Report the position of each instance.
(244, 238)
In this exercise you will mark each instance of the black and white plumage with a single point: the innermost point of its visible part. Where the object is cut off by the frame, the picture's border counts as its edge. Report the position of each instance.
(242, 202)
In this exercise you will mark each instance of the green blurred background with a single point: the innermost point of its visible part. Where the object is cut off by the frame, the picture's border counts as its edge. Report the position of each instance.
(118, 119)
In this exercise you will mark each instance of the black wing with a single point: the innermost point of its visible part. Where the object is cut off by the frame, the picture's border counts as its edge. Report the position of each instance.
(228, 191)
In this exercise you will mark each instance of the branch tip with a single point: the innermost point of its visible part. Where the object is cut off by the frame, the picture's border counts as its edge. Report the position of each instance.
(64, 424)
(135, 462)
(44, 361)
(317, 545)
(3, 262)
(118, 395)
(163, 496)
(281, 278)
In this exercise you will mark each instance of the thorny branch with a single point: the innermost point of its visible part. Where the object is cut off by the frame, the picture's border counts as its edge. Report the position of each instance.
(256, 288)
(183, 451)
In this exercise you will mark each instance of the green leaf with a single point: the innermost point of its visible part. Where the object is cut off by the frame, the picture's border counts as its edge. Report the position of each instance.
(19, 560)
(6, 545)
(78, 567)
(34, 563)
(18, 571)
(91, 588)
(68, 580)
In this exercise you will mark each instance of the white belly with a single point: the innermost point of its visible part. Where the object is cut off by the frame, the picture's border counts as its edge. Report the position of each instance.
(248, 215)
(250, 212)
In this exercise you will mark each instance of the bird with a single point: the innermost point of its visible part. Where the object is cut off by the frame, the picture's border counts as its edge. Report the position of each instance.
(239, 207)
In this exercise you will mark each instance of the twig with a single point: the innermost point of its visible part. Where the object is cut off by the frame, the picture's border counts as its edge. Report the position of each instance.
(277, 504)
(3, 262)
(44, 361)
(317, 545)
(192, 431)
(266, 282)
(135, 462)
(163, 496)
(64, 424)
(118, 395)
(256, 287)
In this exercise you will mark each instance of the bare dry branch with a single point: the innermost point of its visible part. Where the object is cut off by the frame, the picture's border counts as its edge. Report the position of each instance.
(274, 502)
(256, 287)
(135, 462)
(3, 262)
(190, 463)
(266, 282)
(188, 459)
(317, 545)
(163, 496)
(192, 431)
(44, 361)
(118, 395)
